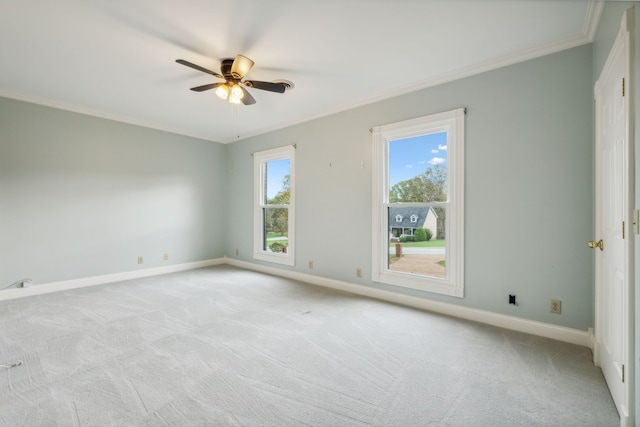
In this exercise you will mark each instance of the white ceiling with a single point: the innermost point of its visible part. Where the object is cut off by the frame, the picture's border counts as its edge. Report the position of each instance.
(116, 59)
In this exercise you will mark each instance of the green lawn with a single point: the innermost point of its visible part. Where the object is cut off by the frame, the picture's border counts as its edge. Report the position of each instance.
(429, 244)
(273, 235)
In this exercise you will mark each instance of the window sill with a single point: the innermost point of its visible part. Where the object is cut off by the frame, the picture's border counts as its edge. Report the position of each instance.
(275, 258)
(421, 283)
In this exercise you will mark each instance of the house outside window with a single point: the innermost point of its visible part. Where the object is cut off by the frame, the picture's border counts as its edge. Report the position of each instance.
(274, 205)
(419, 177)
(414, 218)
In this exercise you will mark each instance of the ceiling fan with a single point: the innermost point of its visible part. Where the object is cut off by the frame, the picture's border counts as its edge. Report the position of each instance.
(233, 71)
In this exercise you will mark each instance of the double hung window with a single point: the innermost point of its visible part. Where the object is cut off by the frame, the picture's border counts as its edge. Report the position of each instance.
(418, 199)
(274, 205)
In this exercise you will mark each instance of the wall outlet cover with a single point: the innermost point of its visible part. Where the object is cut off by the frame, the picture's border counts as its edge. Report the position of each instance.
(555, 306)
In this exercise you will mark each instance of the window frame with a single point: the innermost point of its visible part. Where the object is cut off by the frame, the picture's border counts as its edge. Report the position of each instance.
(451, 122)
(260, 159)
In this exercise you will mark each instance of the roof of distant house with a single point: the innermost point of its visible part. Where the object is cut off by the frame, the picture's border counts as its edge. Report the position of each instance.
(421, 212)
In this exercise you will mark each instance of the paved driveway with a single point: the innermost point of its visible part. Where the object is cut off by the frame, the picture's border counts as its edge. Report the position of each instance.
(420, 264)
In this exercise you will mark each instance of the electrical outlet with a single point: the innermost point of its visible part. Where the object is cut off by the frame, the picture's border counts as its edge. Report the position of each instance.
(358, 272)
(140, 260)
(310, 265)
(555, 306)
(166, 257)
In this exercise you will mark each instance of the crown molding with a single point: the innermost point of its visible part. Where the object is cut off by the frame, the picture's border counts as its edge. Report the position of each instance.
(448, 77)
(592, 18)
(45, 102)
(587, 35)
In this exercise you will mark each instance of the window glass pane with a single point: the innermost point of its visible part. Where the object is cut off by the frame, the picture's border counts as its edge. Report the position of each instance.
(274, 206)
(276, 230)
(276, 182)
(418, 169)
(417, 247)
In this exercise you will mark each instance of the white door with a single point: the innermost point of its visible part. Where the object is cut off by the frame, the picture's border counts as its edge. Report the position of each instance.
(612, 223)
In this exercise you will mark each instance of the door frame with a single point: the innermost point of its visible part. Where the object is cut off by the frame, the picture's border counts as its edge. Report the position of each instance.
(625, 408)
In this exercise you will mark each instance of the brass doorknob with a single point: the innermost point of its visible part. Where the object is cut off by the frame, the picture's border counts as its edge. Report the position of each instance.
(599, 244)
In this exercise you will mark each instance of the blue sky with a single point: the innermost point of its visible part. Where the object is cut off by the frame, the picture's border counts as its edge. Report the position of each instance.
(276, 172)
(407, 158)
(412, 156)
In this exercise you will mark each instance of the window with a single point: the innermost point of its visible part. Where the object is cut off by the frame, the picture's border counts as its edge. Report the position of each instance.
(398, 218)
(274, 211)
(419, 166)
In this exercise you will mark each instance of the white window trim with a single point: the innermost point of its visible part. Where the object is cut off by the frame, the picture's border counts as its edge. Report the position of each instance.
(414, 218)
(453, 123)
(259, 159)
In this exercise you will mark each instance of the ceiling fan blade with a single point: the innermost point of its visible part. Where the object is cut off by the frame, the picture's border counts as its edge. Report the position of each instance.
(271, 87)
(241, 66)
(199, 68)
(247, 99)
(207, 87)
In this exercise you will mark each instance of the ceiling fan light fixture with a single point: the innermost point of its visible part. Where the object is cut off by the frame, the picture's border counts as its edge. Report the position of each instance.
(241, 66)
(236, 91)
(234, 100)
(223, 91)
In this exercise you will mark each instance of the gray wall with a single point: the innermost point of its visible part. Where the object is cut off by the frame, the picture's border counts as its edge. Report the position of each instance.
(82, 196)
(528, 187)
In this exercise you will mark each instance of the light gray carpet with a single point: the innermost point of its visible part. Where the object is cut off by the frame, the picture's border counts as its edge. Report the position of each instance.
(224, 346)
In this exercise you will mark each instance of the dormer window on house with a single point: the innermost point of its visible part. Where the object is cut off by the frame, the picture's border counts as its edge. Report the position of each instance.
(398, 218)
(414, 218)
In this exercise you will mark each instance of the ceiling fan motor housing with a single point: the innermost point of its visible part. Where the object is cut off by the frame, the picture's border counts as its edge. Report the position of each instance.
(225, 68)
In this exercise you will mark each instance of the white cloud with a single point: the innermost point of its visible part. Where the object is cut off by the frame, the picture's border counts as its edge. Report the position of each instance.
(409, 166)
(434, 151)
(436, 160)
(422, 162)
(442, 147)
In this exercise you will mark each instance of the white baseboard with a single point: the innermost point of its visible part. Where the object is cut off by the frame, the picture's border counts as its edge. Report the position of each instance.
(574, 336)
(560, 333)
(47, 288)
